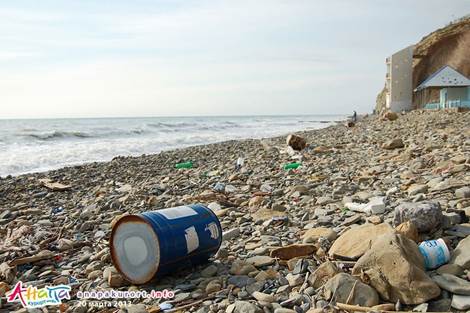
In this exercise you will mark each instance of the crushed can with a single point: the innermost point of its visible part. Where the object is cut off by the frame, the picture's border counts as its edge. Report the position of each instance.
(154, 243)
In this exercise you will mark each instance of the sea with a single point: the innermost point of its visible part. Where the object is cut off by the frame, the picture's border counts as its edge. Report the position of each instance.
(36, 145)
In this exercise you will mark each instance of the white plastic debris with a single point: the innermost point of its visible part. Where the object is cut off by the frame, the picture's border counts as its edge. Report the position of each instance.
(376, 205)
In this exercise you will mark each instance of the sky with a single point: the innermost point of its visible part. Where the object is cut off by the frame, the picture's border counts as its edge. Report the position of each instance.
(183, 57)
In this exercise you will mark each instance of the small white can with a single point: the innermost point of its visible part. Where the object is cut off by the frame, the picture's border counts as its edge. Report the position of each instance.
(435, 253)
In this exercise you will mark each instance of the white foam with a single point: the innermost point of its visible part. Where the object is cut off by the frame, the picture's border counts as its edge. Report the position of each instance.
(23, 151)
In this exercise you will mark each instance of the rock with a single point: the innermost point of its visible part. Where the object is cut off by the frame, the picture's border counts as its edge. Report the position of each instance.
(243, 307)
(395, 268)
(4, 288)
(461, 254)
(240, 280)
(284, 310)
(463, 192)
(453, 284)
(313, 234)
(115, 280)
(136, 308)
(230, 234)
(263, 297)
(391, 116)
(344, 287)
(209, 271)
(393, 144)
(322, 274)
(64, 244)
(409, 230)
(293, 251)
(321, 149)
(213, 286)
(260, 260)
(452, 269)
(423, 307)
(416, 189)
(7, 273)
(425, 216)
(460, 302)
(296, 142)
(240, 267)
(352, 244)
(294, 280)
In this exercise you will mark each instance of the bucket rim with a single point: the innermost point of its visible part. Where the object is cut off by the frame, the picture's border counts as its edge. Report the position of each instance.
(125, 219)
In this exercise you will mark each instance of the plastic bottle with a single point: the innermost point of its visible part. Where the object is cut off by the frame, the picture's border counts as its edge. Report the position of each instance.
(240, 162)
(292, 166)
(188, 164)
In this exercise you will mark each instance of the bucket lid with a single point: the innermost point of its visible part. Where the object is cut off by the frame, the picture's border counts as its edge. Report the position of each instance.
(135, 249)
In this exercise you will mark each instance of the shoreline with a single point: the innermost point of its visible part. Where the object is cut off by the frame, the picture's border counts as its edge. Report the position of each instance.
(78, 164)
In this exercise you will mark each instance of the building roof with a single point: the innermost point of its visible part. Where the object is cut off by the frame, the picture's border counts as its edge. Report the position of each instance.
(445, 77)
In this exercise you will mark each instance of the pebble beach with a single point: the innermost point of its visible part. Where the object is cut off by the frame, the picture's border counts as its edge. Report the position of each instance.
(319, 238)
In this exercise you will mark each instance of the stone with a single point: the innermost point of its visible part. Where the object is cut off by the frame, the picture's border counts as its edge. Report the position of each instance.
(409, 230)
(240, 267)
(293, 251)
(213, 286)
(284, 310)
(345, 288)
(263, 297)
(463, 192)
(209, 271)
(64, 244)
(322, 274)
(393, 144)
(425, 216)
(390, 116)
(460, 302)
(296, 142)
(136, 308)
(260, 260)
(243, 307)
(115, 280)
(312, 235)
(416, 189)
(395, 268)
(4, 288)
(230, 234)
(323, 200)
(452, 269)
(240, 280)
(453, 284)
(352, 244)
(294, 280)
(7, 273)
(461, 254)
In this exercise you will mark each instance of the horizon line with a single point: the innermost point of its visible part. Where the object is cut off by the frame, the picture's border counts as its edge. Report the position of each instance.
(170, 116)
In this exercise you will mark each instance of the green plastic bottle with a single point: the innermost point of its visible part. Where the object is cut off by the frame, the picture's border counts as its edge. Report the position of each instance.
(292, 166)
(184, 165)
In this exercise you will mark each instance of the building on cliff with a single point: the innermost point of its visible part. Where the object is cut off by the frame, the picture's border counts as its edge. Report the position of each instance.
(446, 88)
(445, 46)
(398, 80)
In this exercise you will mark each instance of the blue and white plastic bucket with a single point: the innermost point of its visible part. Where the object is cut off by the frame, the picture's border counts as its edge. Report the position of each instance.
(157, 242)
(435, 253)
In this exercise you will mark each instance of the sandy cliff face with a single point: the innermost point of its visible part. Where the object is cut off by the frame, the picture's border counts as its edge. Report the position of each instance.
(449, 45)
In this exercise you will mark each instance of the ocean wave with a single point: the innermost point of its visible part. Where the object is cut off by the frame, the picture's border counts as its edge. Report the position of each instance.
(169, 125)
(59, 135)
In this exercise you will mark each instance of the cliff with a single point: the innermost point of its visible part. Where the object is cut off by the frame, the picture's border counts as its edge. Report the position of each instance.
(449, 45)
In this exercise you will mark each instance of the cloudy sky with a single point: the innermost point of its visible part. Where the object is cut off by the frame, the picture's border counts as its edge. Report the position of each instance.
(182, 57)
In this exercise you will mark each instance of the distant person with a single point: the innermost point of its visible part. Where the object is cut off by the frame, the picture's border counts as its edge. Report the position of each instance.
(354, 116)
